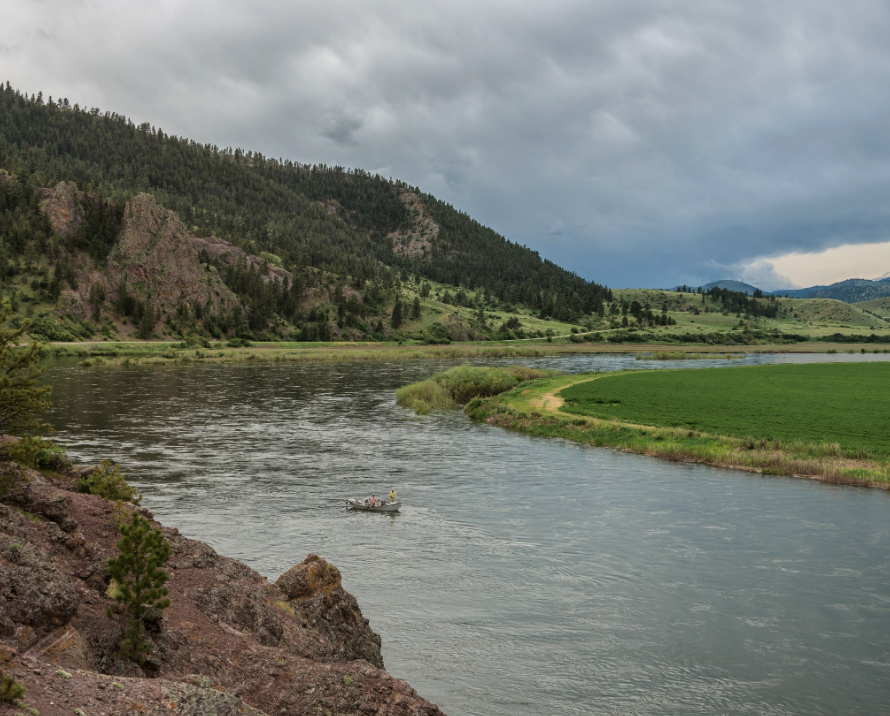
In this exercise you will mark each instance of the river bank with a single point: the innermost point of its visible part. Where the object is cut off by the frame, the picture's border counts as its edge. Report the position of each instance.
(537, 408)
(100, 354)
(230, 642)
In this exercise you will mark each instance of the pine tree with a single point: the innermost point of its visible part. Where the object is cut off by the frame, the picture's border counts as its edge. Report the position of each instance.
(397, 314)
(10, 689)
(147, 324)
(21, 398)
(138, 580)
(415, 309)
(97, 298)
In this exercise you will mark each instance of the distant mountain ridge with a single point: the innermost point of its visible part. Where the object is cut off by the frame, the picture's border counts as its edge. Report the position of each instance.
(728, 284)
(851, 290)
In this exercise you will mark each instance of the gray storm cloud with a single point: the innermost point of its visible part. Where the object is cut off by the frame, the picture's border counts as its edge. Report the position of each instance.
(669, 138)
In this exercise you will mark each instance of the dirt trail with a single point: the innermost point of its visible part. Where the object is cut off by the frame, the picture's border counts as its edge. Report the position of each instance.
(550, 402)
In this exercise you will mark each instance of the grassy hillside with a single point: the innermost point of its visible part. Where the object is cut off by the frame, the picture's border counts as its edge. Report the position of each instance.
(876, 307)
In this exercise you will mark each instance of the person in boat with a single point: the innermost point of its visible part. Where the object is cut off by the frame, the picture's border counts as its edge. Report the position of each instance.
(373, 501)
(392, 495)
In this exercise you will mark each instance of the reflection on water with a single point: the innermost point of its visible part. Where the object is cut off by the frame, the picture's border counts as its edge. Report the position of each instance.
(523, 576)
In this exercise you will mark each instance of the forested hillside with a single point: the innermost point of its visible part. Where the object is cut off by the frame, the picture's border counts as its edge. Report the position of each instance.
(345, 222)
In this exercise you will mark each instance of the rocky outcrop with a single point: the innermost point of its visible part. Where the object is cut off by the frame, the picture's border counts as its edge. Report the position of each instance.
(157, 258)
(230, 643)
(63, 209)
(229, 254)
(415, 240)
(314, 591)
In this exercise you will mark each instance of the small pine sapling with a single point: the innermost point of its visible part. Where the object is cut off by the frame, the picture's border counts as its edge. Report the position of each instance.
(139, 578)
(10, 689)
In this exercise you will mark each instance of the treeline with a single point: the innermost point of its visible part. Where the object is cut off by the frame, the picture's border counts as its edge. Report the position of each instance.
(329, 218)
(739, 302)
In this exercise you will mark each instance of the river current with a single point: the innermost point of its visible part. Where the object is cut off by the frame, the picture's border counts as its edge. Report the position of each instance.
(523, 575)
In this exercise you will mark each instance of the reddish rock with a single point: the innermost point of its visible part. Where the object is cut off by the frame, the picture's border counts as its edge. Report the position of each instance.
(230, 643)
(62, 206)
(229, 254)
(156, 256)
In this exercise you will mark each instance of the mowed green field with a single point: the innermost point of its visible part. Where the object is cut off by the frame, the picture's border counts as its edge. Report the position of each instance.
(845, 403)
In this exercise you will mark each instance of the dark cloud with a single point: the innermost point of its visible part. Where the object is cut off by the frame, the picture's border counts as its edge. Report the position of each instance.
(673, 140)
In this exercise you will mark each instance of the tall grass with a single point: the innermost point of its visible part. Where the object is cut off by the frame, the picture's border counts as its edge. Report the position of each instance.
(462, 384)
(679, 355)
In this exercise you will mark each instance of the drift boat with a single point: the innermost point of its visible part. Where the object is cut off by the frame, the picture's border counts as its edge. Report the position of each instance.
(366, 505)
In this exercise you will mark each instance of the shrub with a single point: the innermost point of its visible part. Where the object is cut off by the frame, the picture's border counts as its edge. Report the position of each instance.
(107, 482)
(50, 456)
(462, 384)
(26, 451)
(238, 343)
(137, 570)
(195, 342)
(10, 689)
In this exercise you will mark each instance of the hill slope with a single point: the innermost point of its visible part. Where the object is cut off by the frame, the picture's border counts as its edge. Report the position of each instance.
(345, 222)
(732, 285)
(853, 290)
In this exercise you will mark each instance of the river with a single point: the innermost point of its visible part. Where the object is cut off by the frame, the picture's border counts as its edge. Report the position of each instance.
(523, 575)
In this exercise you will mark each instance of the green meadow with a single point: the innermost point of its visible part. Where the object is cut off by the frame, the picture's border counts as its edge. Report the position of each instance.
(843, 403)
(828, 422)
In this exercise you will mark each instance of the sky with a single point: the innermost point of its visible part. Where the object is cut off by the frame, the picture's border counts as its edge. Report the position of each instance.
(647, 143)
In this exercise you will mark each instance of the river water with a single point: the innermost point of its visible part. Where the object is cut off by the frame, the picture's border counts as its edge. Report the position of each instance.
(523, 575)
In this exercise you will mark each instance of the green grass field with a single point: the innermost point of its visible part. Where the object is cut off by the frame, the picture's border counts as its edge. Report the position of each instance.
(822, 403)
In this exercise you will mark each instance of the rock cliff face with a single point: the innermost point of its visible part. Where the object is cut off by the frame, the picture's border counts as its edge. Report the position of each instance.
(229, 254)
(155, 253)
(156, 256)
(61, 204)
(230, 643)
(417, 239)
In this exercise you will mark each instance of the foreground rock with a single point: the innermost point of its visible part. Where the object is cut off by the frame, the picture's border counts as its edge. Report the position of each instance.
(230, 643)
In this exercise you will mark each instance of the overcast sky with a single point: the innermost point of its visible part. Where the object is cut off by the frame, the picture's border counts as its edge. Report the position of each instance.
(645, 143)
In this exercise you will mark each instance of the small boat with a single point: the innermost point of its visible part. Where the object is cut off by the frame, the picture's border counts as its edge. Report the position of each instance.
(366, 505)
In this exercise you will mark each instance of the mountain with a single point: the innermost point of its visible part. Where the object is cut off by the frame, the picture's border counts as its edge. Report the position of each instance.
(853, 290)
(310, 221)
(727, 284)
(732, 285)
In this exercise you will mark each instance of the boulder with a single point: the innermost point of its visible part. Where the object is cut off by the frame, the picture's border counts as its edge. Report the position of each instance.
(314, 590)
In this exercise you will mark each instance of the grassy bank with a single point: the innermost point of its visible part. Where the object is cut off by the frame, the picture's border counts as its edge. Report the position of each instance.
(462, 384)
(853, 453)
(167, 353)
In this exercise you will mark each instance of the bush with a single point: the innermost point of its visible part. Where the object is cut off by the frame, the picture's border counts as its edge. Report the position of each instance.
(237, 343)
(51, 456)
(139, 577)
(436, 334)
(10, 689)
(196, 342)
(49, 327)
(107, 482)
(462, 384)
